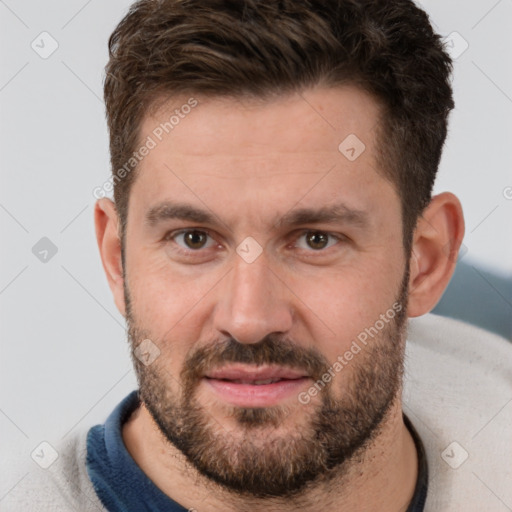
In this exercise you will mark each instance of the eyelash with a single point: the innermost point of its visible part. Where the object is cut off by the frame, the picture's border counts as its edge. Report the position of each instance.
(171, 235)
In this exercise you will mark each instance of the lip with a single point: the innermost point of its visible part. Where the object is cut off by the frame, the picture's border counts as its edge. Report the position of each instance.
(244, 372)
(245, 394)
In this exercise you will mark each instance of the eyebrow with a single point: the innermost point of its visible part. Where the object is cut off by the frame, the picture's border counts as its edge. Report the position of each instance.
(338, 213)
(167, 211)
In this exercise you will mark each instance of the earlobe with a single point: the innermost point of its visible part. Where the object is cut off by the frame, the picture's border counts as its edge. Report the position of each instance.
(436, 242)
(106, 222)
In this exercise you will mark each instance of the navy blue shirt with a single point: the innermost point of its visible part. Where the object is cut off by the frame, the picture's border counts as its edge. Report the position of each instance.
(123, 487)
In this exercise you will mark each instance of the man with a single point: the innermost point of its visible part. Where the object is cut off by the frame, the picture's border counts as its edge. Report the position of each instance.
(273, 229)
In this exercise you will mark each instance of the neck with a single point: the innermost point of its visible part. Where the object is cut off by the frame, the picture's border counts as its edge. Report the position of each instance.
(382, 476)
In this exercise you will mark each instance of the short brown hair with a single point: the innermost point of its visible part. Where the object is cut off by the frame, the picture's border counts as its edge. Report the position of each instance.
(251, 48)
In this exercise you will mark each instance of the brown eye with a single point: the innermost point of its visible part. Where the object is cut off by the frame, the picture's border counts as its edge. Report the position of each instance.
(317, 240)
(195, 239)
(192, 246)
(192, 239)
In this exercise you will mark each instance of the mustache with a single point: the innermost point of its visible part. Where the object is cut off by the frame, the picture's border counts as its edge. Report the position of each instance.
(271, 350)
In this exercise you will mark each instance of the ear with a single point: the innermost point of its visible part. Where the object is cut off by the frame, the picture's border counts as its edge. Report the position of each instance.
(106, 222)
(436, 242)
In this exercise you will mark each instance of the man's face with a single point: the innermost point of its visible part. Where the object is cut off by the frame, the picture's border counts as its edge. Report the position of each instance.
(258, 249)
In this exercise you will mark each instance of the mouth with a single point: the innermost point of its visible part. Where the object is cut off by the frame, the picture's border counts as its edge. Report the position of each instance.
(251, 386)
(254, 373)
(253, 382)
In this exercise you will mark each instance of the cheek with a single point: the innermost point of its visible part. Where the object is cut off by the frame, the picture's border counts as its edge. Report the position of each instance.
(339, 305)
(167, 300)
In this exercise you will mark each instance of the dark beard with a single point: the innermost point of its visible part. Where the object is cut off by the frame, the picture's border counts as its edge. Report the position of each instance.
(319, 449)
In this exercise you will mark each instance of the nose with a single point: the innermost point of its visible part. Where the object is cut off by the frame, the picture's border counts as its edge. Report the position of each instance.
(253, 303)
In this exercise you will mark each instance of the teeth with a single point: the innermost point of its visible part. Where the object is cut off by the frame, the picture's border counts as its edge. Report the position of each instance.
(255, 382)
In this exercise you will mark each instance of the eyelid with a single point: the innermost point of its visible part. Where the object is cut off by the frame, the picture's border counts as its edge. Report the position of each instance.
(175, 232)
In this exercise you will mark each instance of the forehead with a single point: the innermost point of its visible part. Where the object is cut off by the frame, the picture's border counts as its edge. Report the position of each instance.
(313, 146)
(317, 119)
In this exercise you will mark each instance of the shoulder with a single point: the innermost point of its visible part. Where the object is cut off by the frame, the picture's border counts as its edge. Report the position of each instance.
(62, 486)
(458, 395)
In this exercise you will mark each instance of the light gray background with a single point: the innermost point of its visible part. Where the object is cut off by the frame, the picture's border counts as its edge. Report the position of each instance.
(64, 359)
